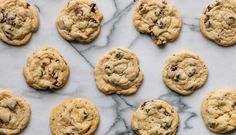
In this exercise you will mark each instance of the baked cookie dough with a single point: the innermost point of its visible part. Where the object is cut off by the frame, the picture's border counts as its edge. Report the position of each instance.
(159, 19)
(14, 113)
(155, 117)
(218, 22)
(46, 69)
(79, 20)
(74, 117)
(18, 20)
(185, 72)
(219, 110)
(118, 72)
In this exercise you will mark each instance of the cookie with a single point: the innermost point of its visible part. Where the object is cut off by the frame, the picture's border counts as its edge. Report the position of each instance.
(79, 20)
(185, 72)
(18, 21)
(14, 113)
(118, 72)
(218, 22)
(155, 117)
(74, 117)
(219, 110)
(46, 69)
(159, 19)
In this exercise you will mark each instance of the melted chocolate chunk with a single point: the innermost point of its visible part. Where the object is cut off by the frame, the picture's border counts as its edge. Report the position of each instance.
(85, 115)
(119, 56)
(143, 105)
(167, 113)
(212, 124)
(28, 5)
(234, 105)
(173, 67)
(93, 7)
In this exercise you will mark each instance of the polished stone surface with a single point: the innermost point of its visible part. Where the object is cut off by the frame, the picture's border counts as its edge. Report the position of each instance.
(118, 31)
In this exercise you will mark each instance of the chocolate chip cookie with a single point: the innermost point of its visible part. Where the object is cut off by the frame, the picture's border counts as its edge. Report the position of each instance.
(79, 20)
(159, 19)
(219, 110)
(14, 113)
(155, 117)
(118, 72)
(185, 72)
(18, 20)
(218, 22)
(46, 69)
(74, 117)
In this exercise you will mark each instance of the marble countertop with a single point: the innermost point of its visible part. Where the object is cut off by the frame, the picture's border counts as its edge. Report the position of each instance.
(117, 31)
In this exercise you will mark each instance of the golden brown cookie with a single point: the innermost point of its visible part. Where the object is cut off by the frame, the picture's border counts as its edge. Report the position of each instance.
(155, 117)
(14, 113)
(185, 72)
(118, 72)
(18, 21)
(74, 117)
(46, 69)
(79, 20)
(159, 19)
(219, 110)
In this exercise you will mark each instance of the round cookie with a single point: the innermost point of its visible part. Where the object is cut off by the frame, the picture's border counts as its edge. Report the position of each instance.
(18, 20)
(74, 116)
(155, 117)
(14, 113)
(159, 19)
(219, 110)
(118, 72)
(218, 22)
(79, 20)
(185, 72)
(46, 69)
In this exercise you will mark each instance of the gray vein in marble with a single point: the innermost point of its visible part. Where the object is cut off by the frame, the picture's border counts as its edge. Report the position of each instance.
(192, 27)
(176, 100)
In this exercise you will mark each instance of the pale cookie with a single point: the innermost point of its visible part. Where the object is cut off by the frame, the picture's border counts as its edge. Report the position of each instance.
(155, 117)
(185, 72)
(18, 20)
(79, 20)
(219, 110)
(218, 22)
(118, 72)
(14, 113)
(159, 19)
(46, 69)
(74, 117)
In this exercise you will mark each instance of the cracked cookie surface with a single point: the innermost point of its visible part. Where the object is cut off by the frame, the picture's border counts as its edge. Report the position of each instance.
(185, 72)
(219, 110)
(79, 20)
(218, 22)
(14, 113)
(155, 117)
(158, 19)
(118, 72)
(18, 20)
(74, 117)
(46, 69)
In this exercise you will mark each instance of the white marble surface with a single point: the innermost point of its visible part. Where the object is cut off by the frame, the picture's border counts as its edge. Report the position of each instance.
(118, 31)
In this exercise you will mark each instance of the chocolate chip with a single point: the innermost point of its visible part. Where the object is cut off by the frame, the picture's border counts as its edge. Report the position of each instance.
(79, 12)
(167, 113)
(85, 115)
(93, 7)
(212, 124)
(234, 105)
(107, 67)
(147, 110)
(28, 5)
(173, 67)
(119, 56)
(143, 105)
(209, 8)
(231, 20)
(160, 24)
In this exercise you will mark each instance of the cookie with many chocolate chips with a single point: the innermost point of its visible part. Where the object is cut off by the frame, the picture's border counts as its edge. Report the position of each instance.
(218, 22)
(46, 69)
(18, 20)
(74, 117)
(14, 113)
(118, 72)
(155, 117)
(159, 19)
(185, 72)
(219, 110)
(79, 20)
